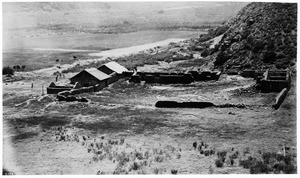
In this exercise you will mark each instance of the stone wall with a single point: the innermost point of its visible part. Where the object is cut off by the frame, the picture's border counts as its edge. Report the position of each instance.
(280, 98)
(175, 104)
(56, 90)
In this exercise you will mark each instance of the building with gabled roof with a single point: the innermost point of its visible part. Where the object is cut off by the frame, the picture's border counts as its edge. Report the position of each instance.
(113, 69)
(91, 77)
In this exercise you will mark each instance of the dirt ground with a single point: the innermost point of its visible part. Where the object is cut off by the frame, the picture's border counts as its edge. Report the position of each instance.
(119, 131)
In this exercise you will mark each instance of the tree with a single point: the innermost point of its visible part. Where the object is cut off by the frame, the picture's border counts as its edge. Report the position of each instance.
(8, 71)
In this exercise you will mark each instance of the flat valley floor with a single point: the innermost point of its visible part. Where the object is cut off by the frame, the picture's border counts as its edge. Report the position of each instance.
(119, 131)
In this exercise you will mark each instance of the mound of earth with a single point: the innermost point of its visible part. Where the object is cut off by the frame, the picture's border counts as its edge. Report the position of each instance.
(262, 35)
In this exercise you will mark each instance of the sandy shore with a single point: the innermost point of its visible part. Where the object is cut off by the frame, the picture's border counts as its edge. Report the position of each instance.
(62, 50)
(134, 49)
(103, 56)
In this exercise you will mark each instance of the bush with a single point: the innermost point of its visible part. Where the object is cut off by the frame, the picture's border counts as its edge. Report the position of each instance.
(221, 58)
(259, 168)
(248, 162)
(269, 57)
(219, 163)
(8, 71)
(204, 38)
(135, 166)
(205, 53)
(222, 154)
(174, 171)
(159, 159)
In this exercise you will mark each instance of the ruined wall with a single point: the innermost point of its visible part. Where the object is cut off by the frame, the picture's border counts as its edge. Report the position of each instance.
(174, 104)
(248, 73)
(135, 79)
(273, 85)
(175, 79)
(273, 81)
(151, 79)
(280, 98)
(51, 90)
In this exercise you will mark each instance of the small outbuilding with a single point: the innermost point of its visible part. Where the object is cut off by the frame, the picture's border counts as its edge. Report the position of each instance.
(91, 77)
(114, 69)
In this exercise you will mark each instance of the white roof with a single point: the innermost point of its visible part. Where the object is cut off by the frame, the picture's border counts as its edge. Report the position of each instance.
(97, 73)
(116, 67)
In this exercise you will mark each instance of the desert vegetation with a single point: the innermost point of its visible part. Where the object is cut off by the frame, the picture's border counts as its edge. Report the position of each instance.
(119, 130)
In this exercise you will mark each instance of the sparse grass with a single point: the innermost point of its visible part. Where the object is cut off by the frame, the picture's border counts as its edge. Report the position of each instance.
(46, 121)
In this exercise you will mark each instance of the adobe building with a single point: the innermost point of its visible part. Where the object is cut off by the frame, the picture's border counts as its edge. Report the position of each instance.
(114, 70)
(91, 77)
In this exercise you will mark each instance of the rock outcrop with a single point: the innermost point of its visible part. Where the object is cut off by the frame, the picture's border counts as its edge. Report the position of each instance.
(262, 35)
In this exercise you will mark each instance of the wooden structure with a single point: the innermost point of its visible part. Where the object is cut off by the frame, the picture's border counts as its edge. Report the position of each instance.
(114, 70)
(91, 77)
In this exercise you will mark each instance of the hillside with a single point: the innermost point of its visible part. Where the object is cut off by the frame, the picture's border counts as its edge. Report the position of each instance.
(262, 35)
(113, 17)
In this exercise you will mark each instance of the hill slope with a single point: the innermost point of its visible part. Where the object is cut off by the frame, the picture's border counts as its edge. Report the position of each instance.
(262, 35)
(115, 17)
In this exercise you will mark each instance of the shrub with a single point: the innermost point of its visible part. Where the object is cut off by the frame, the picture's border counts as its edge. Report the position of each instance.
(248, 162)
(122, 140)
(222, 154)
(156, 170)
(206, 152)
(269, 57)
(205, 37)
(234, 155)
(289, 169)
(8, 71)
(146, 154)
(205, 53)
(232, 162)
(100, 172)
(139, 155)
(219, 163)
(122, 158)
(174, 171)
(135, 166)
(210, 170)
(259, 168)
(159, 158)
(221, 58)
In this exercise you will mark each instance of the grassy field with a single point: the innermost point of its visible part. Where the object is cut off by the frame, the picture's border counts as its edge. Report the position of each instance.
(119, 130)
(86, 138)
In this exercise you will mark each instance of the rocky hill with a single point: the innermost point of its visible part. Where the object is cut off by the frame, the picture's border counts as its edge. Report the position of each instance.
(262, 35)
